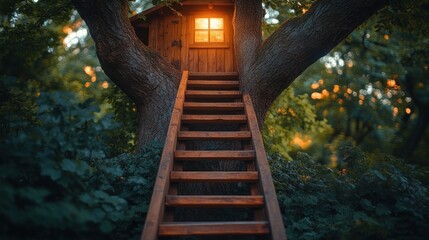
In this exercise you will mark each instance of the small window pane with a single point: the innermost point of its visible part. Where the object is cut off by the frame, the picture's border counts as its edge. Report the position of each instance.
(201, 36)
(201, 23)
(216, 23)
(216, 36)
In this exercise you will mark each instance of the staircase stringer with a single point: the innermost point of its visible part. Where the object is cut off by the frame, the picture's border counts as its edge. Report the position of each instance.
(160, 189)
(272, 208)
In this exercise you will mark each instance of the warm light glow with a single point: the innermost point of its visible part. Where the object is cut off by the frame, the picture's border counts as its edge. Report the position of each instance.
(325, 93)
(216, 23)
(282, 111)
(336, 88)
(395, 111)
(349, 63)
(67, 30)
(349, 91)
(201, 36)
(209, 30)
(303, 143)
(216, 36)
(87, 84)
(105, 85)
(88, 70)
(292, 112)
(321, 81)
(386, 36)
(314, 85)
(421, 85)
(391, 83)
(304, 10)
(316, 95)
(408, 110)
(360, 102)
(202, 23)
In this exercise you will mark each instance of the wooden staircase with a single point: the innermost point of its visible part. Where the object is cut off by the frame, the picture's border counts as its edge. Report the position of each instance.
(207, 100)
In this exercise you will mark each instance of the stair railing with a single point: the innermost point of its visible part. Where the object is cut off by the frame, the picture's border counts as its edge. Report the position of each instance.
(272, 208)
(160, 189)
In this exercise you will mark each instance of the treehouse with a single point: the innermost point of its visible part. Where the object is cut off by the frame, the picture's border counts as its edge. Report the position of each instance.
(194, 36)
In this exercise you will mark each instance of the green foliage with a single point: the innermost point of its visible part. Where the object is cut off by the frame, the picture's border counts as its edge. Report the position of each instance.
(125, 113)
(292, 124)
(374, 197)
(56, 181)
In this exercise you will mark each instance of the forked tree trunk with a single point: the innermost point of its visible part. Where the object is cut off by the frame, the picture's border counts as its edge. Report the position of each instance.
(265, 68)
(140, 72)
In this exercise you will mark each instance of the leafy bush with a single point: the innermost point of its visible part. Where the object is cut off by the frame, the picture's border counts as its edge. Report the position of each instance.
(373, 198)
(56, 182)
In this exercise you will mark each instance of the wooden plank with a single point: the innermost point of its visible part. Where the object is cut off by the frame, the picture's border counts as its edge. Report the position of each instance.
(211, 59)
(229, 60)
(193, 60)
(272, 208)
(213, 228)
(153, 30)
(217, 76)
(213, 84)
(215, 155)
(217, 176)
(214, 119)
(205, 135)
(160, 38)
(202, 60)
(214, 201)
(185, 47)
(212, 94)
(168, 37)
(233, 106)
(176, 37)
(156, 207)
(220, 60)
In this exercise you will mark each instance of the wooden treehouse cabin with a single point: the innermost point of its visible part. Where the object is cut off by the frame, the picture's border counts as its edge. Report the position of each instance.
(210, 110)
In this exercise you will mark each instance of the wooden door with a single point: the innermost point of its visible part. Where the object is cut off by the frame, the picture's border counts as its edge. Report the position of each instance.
(209, 43)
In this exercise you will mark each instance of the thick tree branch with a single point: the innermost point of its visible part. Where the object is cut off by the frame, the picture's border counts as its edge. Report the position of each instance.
(140, 72)
(135, 68)
(299, 42)
(247, 24)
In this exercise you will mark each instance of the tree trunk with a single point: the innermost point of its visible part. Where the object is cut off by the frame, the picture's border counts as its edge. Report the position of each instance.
(140, 72)
(265, 68)
(416, 135)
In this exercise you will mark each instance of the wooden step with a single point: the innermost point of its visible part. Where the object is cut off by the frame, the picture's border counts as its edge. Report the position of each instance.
(206, 176)
(214, 76)
(214, 201)
(214, 155)
(207, 135)
(214, 118)
(213, 228)
(212, 94)
(213, 84)
(227, 106)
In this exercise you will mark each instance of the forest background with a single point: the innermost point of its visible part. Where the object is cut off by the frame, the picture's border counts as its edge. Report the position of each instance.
(347, 141)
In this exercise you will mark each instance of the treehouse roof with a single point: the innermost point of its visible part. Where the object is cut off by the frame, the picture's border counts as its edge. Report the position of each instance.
(184, 3)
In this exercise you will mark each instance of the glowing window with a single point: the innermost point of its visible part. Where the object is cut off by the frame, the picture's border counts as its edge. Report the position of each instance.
(209, 30)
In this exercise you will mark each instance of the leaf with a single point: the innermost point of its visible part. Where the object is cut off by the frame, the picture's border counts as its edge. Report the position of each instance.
(48, 168)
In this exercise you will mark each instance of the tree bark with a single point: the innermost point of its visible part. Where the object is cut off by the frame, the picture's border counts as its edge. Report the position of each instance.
(140, 72)
(265, 68)
(297, 44)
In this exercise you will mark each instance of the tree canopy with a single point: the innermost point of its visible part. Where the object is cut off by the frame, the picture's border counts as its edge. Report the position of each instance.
(68, 163)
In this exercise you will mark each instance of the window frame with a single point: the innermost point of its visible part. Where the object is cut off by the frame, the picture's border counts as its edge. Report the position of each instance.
(226, 27)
